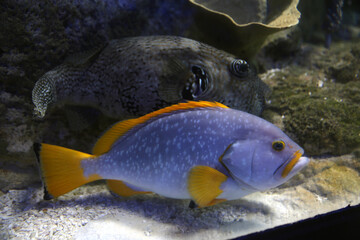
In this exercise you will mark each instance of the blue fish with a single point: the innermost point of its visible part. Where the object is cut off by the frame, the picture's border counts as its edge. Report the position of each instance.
(202, 151)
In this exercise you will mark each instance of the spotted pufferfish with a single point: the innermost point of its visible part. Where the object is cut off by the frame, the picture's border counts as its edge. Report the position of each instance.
(202, 151)
(137, 75)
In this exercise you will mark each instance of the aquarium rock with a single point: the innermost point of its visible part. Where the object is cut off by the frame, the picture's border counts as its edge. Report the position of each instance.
(322, 93)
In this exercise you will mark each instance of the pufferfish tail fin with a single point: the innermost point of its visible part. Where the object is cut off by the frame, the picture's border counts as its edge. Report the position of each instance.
(61, 169)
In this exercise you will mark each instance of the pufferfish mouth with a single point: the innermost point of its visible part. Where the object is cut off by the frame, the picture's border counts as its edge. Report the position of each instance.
(289, 164)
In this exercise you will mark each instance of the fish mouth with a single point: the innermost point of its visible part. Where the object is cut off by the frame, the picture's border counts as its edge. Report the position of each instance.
(295, 162)
(196, 85)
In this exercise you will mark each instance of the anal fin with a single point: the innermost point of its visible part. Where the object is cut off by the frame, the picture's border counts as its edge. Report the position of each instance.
(121, 189)
(204, 185)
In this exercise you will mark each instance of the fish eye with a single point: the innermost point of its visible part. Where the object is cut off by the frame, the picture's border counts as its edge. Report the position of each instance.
(278, 145)
(197, 85)
(239, 68)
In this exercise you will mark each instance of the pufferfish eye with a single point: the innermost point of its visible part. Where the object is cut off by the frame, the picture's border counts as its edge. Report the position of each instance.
(239, 68)
(197, 85)
(278, 145)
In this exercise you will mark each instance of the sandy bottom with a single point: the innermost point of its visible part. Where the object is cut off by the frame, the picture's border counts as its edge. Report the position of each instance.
(92, 212)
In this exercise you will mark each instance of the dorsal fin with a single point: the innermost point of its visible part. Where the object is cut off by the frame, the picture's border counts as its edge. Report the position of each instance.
(105, 142)
(84, 58)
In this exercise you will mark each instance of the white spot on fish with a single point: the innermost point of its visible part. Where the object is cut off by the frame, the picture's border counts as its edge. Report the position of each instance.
(193, 147)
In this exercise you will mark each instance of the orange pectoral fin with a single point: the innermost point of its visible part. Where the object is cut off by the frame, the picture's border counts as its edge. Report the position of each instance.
(121, 189)
(61, 168)
(204, 185)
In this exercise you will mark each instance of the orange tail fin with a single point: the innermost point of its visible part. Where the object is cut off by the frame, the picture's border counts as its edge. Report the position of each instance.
(61, 169)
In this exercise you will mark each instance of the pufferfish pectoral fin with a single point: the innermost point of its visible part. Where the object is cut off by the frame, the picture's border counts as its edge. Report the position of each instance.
(121, 189)
(204, 185)
(173, 78)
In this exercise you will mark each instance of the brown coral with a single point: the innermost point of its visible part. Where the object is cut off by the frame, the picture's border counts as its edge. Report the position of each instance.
(241, 27)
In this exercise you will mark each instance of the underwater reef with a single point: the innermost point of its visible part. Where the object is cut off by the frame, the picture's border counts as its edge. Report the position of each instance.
(315, 100)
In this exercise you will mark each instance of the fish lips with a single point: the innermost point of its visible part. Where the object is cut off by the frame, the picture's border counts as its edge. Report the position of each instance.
(291, 166)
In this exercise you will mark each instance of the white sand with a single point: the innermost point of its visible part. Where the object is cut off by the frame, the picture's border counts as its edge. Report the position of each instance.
(91, 212)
